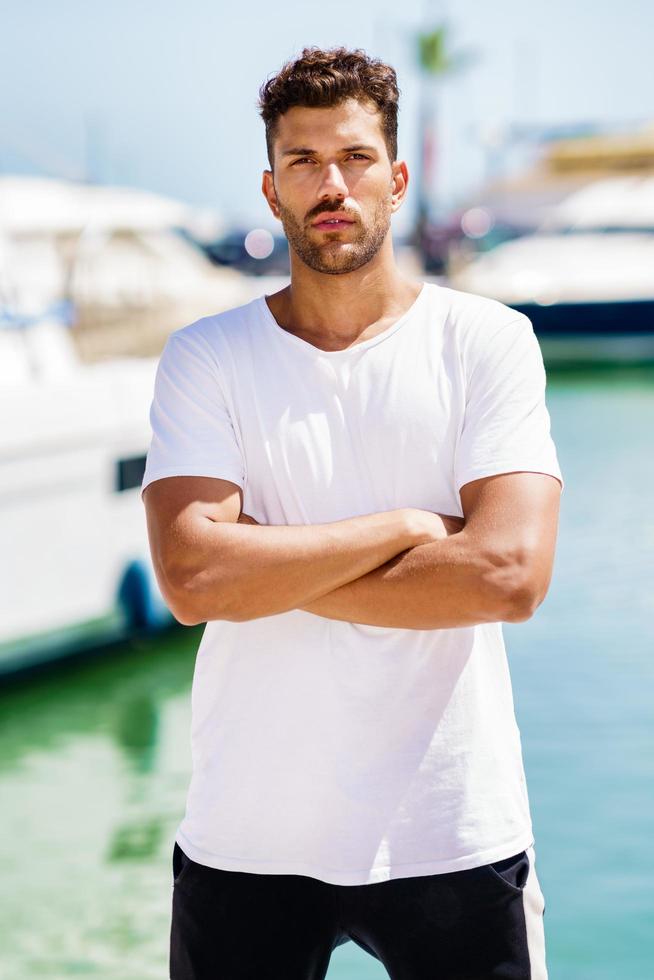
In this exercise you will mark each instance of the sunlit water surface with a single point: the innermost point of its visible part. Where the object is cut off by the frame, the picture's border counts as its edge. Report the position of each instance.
(95, 757)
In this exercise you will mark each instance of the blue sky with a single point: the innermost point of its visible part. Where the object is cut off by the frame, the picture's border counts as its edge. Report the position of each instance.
(162, 95)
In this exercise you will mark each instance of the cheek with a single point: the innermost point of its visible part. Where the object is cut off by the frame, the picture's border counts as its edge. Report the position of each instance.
(292, 203)
(378, 202)
(299, 196)
(371, 190)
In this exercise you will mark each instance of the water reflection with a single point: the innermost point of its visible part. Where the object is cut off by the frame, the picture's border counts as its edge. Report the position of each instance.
(93, 776)
(137, 730)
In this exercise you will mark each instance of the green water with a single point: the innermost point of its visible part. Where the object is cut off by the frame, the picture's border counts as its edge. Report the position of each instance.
(95, 756)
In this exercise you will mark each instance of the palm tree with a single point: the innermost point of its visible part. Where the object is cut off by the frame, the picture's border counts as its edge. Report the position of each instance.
(435, 61)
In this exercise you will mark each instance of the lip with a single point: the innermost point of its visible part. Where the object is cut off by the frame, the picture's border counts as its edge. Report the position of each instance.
(330, 220)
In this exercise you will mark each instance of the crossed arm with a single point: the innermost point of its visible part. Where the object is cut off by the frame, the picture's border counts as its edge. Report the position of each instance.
(381, 570)
(495, 566)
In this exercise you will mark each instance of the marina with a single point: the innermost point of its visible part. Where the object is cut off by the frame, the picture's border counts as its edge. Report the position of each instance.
(152, 176)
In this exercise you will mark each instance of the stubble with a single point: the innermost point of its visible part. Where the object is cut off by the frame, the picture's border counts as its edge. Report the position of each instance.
(335, 254)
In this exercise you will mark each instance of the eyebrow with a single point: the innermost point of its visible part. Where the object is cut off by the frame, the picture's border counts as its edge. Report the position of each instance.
(301, 151)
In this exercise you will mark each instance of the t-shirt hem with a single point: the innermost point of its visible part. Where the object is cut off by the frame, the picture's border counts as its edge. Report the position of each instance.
(192, 471)
(367, 876)
(498, 469)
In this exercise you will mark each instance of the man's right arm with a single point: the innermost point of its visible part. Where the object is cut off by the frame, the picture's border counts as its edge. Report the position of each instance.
(209, 566)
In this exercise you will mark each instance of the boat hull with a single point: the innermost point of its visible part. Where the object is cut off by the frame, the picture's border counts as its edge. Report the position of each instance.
(620, 332)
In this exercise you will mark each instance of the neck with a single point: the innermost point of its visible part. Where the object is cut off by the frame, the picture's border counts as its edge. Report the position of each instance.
(334, 310)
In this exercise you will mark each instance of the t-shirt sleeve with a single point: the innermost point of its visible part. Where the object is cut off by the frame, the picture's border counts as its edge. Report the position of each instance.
(192, 431)
(506, 426)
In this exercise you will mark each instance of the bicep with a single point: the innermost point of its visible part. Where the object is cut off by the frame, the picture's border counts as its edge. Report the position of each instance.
(178, 511)
(515, 516)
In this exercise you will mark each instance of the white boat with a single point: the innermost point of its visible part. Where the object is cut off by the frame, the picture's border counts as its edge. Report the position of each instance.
(117, 255)
(74, 403)
(585, 278)
(76, 568)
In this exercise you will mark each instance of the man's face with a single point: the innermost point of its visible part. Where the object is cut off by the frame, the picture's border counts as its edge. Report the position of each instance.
(333, 163)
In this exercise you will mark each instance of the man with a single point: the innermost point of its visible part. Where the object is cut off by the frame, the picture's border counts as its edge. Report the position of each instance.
(353, 483)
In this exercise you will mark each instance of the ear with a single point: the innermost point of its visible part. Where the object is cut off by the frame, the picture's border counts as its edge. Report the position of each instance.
(268, 190)
(400, 182)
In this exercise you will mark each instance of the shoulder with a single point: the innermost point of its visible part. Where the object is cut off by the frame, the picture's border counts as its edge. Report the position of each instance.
(469, 314)
(479, 327)
(217, 331)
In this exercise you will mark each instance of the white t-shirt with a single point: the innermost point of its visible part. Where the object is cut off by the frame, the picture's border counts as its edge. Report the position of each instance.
(353, 753)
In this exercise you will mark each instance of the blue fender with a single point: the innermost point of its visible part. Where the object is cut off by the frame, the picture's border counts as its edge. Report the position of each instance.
(141, 599)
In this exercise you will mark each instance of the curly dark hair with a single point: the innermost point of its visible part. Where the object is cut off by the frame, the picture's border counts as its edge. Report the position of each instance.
(326, 78)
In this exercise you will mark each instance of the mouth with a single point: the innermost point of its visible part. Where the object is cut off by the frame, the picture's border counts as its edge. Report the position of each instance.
(332, 224)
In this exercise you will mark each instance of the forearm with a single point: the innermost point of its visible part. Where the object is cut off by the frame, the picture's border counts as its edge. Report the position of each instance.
(241, 572)
(440, 585)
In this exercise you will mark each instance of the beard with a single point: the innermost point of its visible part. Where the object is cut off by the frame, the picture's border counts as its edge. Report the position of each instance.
(334, 255)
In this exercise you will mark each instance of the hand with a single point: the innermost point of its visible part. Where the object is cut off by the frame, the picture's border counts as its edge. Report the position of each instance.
(429, 526)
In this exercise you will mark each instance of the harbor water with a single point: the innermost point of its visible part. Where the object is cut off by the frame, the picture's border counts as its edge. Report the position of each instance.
(95, 756)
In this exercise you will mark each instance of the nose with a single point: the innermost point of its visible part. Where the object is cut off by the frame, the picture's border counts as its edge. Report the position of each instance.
(332, 183)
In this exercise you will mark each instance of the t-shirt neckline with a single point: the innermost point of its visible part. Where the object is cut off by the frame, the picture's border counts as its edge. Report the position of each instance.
(304, 345)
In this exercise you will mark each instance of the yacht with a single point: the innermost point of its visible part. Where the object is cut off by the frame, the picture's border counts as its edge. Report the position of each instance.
(92, 280)
(584, 277)
(73, 439)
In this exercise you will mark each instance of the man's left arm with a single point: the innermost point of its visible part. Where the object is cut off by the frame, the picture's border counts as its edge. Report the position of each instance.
(496, 568)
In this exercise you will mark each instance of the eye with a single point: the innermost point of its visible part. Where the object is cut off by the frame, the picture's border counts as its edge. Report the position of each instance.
(361, 156)
(301, 160)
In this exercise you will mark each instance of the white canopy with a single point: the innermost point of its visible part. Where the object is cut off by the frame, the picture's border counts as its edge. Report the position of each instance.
(46, 205)
(625, 201)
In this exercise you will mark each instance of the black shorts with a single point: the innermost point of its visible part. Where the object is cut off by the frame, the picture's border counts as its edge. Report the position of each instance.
(485, 923)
